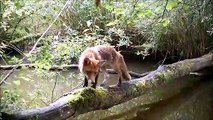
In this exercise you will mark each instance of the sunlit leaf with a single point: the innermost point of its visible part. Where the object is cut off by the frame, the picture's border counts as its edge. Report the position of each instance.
(171, 5)
(140, 5)
(115, 22)
(25, 78)
(17, 82)
(165, 23)
(108, 7)
(141, 14)
(149, 13)
(119, 11)
(89, 23)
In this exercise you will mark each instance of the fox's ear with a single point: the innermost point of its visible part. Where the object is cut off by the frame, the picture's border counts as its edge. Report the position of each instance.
(101, 62)
(87, 61)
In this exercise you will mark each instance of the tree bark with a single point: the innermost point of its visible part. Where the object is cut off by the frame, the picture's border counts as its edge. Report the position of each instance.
(55, 67)
(88, 99)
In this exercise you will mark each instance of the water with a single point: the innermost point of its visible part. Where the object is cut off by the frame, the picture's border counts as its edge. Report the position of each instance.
(193, 103)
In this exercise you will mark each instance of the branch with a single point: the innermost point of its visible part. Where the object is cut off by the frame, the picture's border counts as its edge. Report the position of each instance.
(56, 79)
(165, 8)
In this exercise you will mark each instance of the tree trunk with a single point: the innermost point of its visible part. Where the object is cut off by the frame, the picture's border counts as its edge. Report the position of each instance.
(55, 67)
(63, 67)
(88, 99)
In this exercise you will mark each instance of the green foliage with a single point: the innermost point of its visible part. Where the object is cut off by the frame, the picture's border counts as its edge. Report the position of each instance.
(22, 17)
(9, 101)
(14, 60)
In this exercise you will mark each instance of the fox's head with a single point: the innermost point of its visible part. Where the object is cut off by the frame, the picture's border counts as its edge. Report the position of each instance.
(92, 67)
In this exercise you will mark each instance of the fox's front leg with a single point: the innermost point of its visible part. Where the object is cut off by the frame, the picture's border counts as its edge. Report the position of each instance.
(94, 84)
(85, 82)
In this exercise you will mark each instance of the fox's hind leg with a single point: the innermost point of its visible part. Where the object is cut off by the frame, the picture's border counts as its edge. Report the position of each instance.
(119, 82)
(106, 76)
(120, 77)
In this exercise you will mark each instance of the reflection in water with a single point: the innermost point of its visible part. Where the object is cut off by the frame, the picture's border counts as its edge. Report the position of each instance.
(194, 103)
(35, 87)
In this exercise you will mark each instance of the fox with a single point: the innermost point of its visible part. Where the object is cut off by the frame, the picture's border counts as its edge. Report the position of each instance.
(95, 59)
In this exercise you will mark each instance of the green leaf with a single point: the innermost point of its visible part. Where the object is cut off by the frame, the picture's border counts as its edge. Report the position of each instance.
(108, 7)
(26, 29)
(119, 11)
(17, 82)
(141, 13)
(25, 78)
(171, 5)
(145, 13)
(140, 5)
(115, 22)
(165, 23)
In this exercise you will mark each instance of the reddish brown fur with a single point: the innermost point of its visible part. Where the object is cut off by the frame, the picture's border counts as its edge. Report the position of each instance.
(100, 57)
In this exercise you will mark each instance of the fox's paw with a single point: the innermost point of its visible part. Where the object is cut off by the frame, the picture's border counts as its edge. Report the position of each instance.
(102, 84)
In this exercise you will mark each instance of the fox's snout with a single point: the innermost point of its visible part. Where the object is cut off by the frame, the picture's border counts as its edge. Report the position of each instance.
(91, 75)
(92, 68)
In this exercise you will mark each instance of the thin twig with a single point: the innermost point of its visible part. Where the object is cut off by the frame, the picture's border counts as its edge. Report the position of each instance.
(16, 49)
(56, 80)
(70, 92)
(11, 71)
(164, 58)
(165, 8)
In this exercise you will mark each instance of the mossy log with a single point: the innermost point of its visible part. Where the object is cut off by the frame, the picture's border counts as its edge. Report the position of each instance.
(53, 68)
(87, 99)
(28, 37)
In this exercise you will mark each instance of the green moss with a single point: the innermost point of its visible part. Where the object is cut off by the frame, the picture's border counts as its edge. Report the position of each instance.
(101, 92)
(166, 76)
(132, 90)
(85, 96)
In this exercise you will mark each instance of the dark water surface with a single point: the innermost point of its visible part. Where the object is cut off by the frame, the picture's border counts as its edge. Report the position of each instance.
(192, 103)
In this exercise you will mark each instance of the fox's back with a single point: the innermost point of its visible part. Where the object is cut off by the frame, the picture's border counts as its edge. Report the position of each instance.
(101, 52)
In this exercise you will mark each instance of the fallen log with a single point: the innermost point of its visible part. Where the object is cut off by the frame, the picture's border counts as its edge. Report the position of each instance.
(55, 67)
(63, 67)
(88, 99)
(28, 37)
